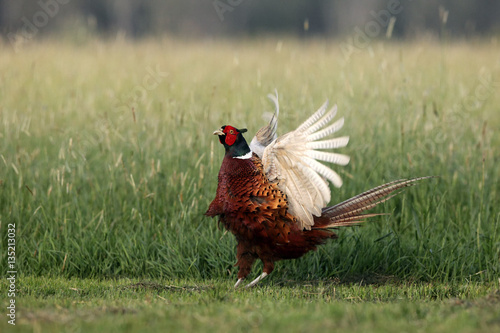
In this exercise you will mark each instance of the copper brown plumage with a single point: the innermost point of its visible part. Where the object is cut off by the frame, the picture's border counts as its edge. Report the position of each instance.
(257, 182)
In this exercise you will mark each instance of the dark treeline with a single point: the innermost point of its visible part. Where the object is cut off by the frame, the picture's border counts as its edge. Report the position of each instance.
(138, 18)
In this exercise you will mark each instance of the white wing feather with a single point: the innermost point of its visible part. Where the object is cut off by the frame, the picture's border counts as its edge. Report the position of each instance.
(292, 161)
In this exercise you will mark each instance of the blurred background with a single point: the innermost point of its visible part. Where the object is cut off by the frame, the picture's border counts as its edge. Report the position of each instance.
(212, 18)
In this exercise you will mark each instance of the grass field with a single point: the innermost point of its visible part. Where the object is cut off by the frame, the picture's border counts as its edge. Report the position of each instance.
(108, 162)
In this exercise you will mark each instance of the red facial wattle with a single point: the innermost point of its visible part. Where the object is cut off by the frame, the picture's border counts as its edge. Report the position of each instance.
(231, 135)
(230, 139)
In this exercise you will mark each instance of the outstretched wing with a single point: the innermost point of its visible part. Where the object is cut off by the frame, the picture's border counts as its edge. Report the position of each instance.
(292, 161)
(266, 134)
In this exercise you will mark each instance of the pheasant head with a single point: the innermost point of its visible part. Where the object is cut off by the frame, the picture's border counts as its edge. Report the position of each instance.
(233, 141)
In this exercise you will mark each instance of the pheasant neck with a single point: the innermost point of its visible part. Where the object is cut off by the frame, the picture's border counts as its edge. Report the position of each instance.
(239, 149)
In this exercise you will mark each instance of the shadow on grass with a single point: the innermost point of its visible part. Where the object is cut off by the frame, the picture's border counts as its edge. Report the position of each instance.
(148, 285)
(359, 280)
(376, 280)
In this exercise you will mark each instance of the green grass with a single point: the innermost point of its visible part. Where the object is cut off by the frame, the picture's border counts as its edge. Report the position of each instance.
(93, 305)
(106, 199)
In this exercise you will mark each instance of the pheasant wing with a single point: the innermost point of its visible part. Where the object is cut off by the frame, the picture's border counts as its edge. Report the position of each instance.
(266, 134)
(292, 161)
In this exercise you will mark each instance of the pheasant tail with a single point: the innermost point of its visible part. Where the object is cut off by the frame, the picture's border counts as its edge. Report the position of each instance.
(350, 212)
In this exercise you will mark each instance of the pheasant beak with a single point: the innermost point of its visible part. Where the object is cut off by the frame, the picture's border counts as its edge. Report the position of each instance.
(219, 132)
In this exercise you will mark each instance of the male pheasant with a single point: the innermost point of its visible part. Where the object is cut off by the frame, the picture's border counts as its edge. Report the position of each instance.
(272, 194)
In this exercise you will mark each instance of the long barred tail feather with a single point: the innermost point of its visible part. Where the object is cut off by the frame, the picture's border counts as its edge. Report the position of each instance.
(349, 212)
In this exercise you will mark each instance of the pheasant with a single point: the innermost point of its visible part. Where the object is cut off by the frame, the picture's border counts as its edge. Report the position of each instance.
(273, 194)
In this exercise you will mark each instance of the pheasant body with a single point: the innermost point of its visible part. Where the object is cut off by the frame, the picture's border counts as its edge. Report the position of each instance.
(256, 212)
